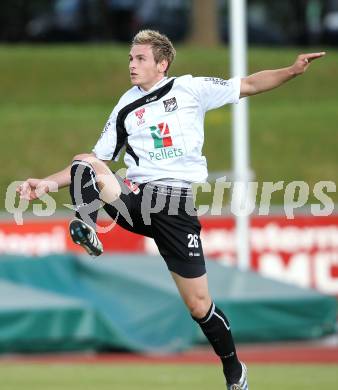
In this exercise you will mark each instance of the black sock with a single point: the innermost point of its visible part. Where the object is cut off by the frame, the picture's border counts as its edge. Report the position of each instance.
(216, 328)
(84, 192)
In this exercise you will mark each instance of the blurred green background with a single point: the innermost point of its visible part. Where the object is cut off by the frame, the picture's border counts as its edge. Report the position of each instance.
(150, 377)
(55, 100)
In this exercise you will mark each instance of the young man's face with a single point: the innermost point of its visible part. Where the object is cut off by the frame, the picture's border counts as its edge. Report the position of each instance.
(144, 71)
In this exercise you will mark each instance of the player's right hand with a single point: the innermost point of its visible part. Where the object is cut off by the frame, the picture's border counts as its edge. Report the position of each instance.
(32, 189)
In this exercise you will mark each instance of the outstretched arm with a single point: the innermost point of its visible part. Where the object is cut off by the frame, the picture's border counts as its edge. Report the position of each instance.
(270, 79)
(33, 188)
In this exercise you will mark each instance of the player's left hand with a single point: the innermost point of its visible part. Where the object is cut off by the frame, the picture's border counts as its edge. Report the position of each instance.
(303, 62)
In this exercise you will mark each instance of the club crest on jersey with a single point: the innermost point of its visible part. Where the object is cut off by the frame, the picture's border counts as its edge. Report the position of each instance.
(170, 105)
(139, 113)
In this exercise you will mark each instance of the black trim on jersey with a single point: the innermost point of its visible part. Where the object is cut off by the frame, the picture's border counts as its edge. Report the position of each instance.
(121, 132)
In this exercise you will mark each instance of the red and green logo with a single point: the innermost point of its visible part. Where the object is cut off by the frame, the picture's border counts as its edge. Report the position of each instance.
(161, 135)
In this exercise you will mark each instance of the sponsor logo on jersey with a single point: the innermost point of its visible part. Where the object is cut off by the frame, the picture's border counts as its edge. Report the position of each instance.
(166, 153)
(217, 81)
(105, 129)
(139, 113)
(170, 105)
(161, 135)
(163, 143)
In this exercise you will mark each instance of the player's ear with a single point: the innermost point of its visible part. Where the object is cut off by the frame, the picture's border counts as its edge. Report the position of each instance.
(162, 66)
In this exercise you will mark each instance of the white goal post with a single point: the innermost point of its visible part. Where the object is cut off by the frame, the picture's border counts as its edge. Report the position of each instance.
(240, 126)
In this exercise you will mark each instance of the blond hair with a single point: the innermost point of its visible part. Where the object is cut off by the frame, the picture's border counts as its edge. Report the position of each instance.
(161, 45)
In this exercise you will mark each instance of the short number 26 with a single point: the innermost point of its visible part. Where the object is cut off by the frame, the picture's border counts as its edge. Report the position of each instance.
(193, 241)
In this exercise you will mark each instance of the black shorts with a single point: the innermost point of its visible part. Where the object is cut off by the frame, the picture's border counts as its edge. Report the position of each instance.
(166, 214)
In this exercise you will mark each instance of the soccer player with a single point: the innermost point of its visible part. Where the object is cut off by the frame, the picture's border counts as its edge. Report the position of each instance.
(160, 123)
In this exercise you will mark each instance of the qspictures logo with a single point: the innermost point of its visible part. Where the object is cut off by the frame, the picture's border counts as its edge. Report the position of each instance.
(163, 143)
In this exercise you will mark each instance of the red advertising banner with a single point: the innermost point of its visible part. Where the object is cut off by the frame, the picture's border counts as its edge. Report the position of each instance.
(303, 251)
(42, 237)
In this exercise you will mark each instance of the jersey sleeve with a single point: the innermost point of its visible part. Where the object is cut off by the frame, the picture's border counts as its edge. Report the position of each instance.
(107, 147)
(214, 92)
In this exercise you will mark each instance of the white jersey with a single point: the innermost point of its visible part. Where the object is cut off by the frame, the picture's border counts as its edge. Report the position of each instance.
(162, 129)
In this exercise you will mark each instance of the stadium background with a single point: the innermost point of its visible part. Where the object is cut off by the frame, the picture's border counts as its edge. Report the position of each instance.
(62, 67)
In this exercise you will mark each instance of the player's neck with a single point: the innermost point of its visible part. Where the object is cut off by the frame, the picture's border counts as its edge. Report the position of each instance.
(151, 85)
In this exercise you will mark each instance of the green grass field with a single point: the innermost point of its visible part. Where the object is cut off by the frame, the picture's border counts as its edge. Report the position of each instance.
(163, 377)
(54, 101)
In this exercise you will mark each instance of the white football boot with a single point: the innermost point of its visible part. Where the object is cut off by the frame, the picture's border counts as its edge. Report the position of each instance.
(242, 383)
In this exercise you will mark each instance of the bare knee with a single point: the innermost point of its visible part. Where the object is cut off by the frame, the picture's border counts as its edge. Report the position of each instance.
(83, 157)
(98, 166)
(108, 185)
(198, 304)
